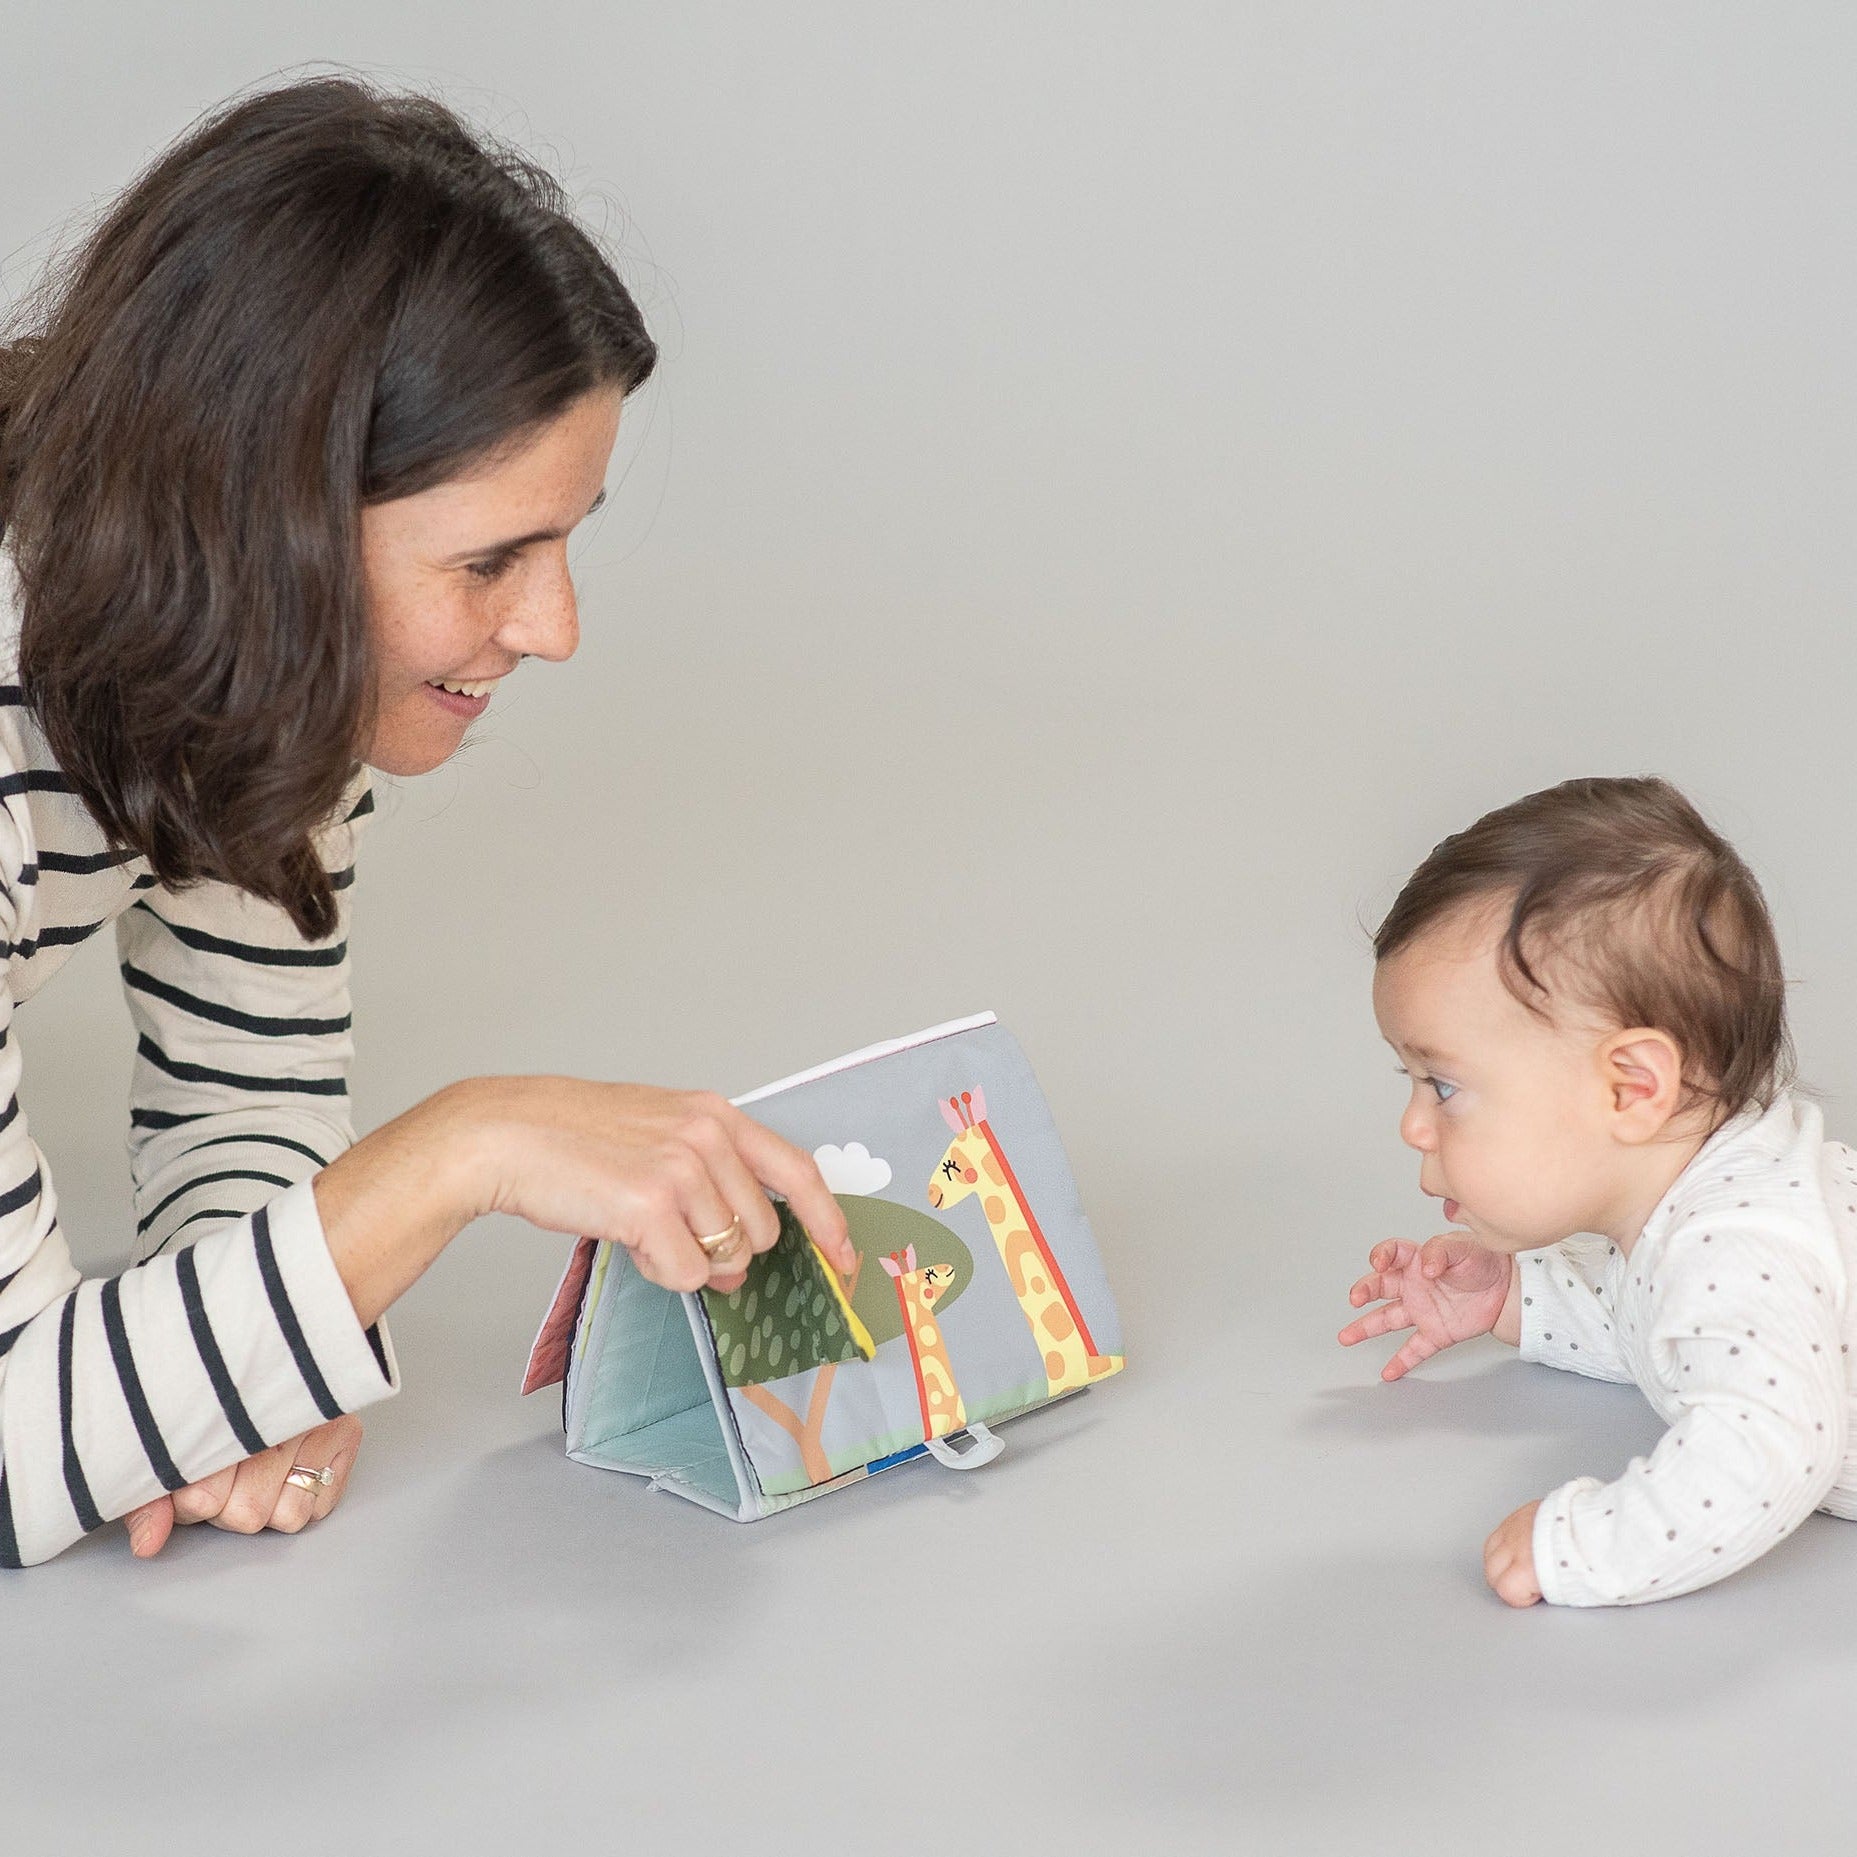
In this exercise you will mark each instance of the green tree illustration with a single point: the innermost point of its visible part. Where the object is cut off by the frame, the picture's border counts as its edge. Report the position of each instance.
(784, 1319)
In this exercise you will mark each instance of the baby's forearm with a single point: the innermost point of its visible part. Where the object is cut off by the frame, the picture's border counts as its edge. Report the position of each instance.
(1651, 1534)
(1509, 1323)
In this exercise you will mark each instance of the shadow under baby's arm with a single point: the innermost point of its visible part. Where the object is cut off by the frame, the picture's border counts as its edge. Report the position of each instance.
(1507, 1398)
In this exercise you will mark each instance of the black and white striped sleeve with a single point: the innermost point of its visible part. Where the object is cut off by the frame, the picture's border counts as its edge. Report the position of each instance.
(243, 1043)
(112, 1390)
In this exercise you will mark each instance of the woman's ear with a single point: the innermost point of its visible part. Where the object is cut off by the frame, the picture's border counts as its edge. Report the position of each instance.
(1642, 1070)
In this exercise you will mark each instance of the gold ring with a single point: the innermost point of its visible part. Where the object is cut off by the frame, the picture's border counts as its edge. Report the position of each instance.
(315, 1481)
(720, 1246)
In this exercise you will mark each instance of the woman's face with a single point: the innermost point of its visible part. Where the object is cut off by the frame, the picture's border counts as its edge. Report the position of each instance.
(467, 579)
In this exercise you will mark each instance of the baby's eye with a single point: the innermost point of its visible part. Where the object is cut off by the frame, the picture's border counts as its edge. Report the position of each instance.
(1445, 1090)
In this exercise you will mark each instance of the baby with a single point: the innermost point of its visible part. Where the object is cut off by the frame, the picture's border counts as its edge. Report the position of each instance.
(1585, 990)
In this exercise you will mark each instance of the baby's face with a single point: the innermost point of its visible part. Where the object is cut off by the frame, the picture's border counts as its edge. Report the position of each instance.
(1507, 1109)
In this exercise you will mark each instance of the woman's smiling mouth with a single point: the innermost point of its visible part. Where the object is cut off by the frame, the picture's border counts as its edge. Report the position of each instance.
(461, 698)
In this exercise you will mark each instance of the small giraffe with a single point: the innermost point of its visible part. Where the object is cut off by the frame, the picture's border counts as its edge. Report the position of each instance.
(917, 1289)
(1057, 1324)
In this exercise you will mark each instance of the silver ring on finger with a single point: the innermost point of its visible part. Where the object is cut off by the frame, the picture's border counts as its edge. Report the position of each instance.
(724, 1246)
(306, 1477)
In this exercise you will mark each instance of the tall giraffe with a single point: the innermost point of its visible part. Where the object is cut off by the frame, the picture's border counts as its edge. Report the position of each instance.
(975, 1157)
(917, 1290)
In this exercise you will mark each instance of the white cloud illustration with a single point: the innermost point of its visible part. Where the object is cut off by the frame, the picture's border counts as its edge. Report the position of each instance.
(852, 1168)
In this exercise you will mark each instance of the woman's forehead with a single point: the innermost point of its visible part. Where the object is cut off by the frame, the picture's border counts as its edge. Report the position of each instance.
(536, 491)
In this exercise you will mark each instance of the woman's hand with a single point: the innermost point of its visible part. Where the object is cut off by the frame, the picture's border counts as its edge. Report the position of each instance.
(1509, 1558)
(651, 1169)
(1448, 1290)
(251, 1496)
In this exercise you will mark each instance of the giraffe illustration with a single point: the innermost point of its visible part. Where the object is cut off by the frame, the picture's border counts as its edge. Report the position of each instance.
(918, 1288)
(974, 1162)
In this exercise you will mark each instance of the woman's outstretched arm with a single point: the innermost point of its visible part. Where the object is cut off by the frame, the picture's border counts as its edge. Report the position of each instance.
(648, 1168)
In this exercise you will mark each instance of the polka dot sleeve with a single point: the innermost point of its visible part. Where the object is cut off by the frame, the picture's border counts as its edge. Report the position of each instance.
(1566, 1317)
(1743, 1350)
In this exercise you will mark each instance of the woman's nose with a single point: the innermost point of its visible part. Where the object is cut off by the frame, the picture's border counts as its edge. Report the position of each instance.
(547, 625)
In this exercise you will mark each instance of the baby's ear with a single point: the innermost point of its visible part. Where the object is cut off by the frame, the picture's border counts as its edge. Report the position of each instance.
(1642, 1070)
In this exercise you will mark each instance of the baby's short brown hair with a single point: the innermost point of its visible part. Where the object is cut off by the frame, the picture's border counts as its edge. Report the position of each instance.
(1640, 908)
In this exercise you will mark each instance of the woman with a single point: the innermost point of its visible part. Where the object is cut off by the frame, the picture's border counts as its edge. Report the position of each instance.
(287, 469)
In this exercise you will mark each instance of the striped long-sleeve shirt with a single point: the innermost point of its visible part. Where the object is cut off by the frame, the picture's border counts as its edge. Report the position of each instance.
(233, 1330)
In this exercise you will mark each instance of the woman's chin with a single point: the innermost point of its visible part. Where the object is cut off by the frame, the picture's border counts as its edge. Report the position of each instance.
(404, 755)
(422, 731)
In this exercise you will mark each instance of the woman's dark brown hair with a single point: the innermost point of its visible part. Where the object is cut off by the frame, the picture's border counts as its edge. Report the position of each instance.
(1635, 905)
(322, 296)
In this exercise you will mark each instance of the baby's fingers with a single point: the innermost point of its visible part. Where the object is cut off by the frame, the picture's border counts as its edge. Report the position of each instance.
(1374, 1322)
(1416, 1351)
(1440, 1254)
(1509, 1580)
(1391, 1254)
(1370, 1288)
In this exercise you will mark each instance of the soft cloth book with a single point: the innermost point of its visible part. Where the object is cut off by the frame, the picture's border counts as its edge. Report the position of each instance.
(978, 1294)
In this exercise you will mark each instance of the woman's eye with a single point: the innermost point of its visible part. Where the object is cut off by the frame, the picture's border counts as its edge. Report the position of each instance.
(493, 568)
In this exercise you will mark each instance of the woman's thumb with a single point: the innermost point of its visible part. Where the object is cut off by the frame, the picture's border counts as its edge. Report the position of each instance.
(149, 1527)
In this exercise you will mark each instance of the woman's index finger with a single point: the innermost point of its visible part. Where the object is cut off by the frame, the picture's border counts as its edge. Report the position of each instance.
(794, 1175)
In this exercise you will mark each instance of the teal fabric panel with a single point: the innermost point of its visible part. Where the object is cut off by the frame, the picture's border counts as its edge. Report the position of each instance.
(648, 1405)
(686, 1450)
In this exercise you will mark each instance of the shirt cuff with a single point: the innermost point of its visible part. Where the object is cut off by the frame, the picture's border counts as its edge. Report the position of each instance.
(1563, 1329)
(1559, 1570)
(1533, 1312)
(1528, 1345)
(356, 1364)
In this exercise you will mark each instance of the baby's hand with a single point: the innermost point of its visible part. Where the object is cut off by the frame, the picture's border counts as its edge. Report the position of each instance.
(1509, 1559)
(1448, 1290)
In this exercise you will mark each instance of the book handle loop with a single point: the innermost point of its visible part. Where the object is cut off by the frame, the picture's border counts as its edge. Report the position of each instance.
(983, 1450)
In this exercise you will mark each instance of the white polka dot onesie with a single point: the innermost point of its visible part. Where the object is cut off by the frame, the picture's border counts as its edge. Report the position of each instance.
(1733, 1315)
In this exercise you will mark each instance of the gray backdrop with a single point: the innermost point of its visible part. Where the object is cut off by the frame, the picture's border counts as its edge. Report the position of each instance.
(1123, 483)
